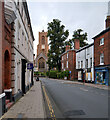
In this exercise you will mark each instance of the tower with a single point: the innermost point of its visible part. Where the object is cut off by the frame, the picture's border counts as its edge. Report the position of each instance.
(42, 50)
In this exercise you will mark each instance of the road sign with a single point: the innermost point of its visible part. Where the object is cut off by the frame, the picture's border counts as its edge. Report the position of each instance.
(30, 66)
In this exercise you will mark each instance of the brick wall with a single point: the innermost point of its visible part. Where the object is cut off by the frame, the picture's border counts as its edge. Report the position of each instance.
(1, 12)
(6, 46)
(71, 63)
(102, 49)
(39, 46)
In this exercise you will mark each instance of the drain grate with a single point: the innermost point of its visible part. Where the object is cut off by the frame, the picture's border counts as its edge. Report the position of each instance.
(73, 113)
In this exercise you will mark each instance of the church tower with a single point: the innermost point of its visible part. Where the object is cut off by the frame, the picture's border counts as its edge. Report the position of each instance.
(42, 50)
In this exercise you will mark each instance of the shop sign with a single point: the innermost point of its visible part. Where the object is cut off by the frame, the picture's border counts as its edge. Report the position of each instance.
(30, 66)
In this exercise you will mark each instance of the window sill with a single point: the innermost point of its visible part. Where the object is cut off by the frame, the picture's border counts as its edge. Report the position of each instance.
(101, 64)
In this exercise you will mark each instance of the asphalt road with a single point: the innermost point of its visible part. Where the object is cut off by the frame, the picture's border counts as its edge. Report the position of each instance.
(75, 100)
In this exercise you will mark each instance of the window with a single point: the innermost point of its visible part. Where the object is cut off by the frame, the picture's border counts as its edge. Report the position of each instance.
(67, 55)
(81, 64)
(86, 63)
(62, 66)
(62, 57)
(90, 62)
(78, 64)
(102, 41)
(67, 64)
(87, 51)
(101, 59)
(43, 40)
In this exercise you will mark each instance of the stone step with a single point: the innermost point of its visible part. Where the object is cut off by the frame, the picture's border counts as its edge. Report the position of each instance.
(9, 105)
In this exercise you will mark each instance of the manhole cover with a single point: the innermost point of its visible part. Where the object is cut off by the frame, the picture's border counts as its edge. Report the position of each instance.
(73, 113)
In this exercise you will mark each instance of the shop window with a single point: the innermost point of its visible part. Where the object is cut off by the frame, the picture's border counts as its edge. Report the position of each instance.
(101, 77)
(101, 59)
(102, 41)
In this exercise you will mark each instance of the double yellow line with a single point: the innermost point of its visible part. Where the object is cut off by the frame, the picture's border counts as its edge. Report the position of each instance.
(49, 104)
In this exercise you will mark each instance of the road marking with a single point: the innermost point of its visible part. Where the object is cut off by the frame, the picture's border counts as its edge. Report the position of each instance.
(83, 89)
(49, 104)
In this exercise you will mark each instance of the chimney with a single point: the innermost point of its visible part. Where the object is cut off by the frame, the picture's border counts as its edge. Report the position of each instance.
(108, 16)
(67, 47)
(76, 44)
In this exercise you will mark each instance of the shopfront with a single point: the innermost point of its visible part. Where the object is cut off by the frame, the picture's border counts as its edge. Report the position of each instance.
(102, 75)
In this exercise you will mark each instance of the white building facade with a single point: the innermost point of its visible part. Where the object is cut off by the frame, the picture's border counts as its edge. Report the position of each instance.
(85, 63)
(22, 52)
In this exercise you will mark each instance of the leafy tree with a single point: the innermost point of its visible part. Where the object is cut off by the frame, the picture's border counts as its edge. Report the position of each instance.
(57, 36)
(78, 34)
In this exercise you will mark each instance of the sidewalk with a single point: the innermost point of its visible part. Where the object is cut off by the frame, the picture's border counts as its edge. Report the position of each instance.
(29, 106)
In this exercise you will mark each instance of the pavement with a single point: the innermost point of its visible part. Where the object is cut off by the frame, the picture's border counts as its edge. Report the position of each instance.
(31, 105)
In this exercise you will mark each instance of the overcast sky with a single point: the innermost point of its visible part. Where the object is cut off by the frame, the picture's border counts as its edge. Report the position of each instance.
(89, 16)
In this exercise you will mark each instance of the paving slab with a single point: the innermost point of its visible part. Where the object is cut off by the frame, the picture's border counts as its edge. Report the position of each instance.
(29, 106)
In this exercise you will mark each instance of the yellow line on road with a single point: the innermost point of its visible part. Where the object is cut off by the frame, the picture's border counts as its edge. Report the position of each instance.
(49, 104)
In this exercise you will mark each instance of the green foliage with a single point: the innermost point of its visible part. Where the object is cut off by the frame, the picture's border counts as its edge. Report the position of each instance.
(82, 37)
(57, 36)
(36, 73)
(58, 75)
(53, 74)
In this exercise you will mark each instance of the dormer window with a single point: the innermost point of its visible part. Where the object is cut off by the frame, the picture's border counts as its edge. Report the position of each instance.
(102, 41)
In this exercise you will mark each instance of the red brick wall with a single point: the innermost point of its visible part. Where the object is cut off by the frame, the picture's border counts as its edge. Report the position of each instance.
(71, 63)
(1, 37)
(102, 49)
(6, 46)
(39, 49)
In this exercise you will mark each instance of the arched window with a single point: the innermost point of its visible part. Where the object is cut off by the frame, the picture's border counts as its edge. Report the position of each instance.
(41, 63)
(43, 40)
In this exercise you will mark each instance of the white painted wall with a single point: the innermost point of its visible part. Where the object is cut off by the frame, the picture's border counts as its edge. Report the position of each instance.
(86, 53)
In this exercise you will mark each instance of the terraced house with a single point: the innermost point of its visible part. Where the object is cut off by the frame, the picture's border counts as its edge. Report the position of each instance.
(102, 53)
(22, 52)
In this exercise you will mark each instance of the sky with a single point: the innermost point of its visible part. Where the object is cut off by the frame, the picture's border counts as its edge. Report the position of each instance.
(89, 16)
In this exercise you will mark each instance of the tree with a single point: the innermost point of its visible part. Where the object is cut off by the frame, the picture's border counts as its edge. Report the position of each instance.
(78, 34)
(57, 36)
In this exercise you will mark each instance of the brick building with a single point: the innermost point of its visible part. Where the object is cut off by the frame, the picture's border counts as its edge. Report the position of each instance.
(2, 94)
(102, 54)
(42, 50)
(68, 60)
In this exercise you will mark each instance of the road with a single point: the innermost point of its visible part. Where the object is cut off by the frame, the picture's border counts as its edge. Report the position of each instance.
(66, 100)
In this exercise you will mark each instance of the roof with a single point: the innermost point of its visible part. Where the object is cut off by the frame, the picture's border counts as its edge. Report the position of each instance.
(101, 33)
(28, 18)
(87, 46)
(68, 51)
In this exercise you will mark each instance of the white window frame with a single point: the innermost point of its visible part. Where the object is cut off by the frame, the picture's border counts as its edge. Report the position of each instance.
(101, 56)
(67, 55)
(102, 41)
(62, 65)
(62, 57)
(67, 64)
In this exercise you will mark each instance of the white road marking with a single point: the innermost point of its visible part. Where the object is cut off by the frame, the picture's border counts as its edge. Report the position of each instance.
(83, 89)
